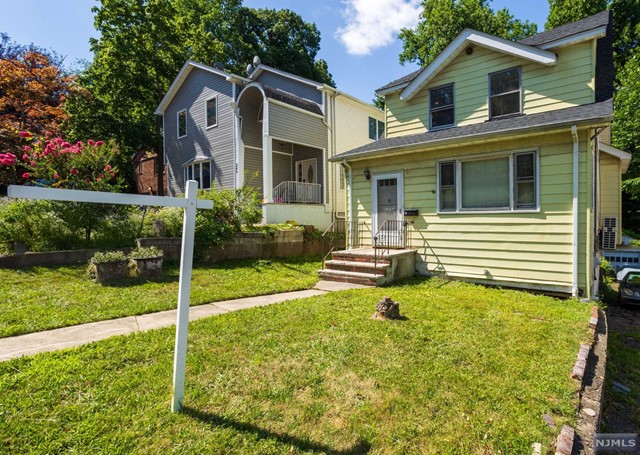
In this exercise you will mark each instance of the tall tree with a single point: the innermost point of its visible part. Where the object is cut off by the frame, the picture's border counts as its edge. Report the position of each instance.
(32, 95)
(565, 11)
(442, 20)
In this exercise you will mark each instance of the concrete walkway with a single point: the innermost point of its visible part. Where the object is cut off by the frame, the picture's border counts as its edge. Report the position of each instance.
(68, 337)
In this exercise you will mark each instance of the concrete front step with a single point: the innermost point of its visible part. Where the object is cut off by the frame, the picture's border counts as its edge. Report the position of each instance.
(357, 266)
(367, 279)
(347, 256)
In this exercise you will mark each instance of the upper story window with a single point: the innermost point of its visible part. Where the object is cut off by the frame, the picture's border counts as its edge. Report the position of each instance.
(182, 123)
(212, 111)
(505, 97)
(497, 183)
(376, 128)
(441, 110)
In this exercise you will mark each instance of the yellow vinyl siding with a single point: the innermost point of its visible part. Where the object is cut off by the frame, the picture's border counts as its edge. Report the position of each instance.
(513, 247)
(610, 189)
(569, 83)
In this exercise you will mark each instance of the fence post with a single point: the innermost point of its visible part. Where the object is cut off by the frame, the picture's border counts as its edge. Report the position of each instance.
(184, 296)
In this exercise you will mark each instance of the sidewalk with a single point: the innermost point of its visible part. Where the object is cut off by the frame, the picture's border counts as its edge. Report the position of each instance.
(68, 337)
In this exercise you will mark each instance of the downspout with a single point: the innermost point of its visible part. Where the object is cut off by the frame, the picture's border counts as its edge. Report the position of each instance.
(234, 107)
(574, 134)
(349, 204)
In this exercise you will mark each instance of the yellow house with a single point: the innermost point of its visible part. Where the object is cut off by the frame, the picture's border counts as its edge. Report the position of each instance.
(496, 165)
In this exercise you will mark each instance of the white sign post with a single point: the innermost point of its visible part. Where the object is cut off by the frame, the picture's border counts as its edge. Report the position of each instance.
(190, 203)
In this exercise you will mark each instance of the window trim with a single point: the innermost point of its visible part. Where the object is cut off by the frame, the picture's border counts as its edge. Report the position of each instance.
(487, 156)
(378, 122)
(191, 165)
(206, 113)
(519, 91)
(186, 126)
(453, 106)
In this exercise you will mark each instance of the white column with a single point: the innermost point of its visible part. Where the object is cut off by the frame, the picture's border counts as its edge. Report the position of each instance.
(184, 295)
(267, 157)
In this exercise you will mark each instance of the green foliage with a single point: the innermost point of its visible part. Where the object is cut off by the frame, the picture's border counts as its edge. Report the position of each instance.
(442, 20)
(146, 252)
(164, 222)
(105, 257)
(565, 11)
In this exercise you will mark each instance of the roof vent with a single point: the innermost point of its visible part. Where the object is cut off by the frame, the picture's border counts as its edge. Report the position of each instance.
(469, 50)
(256, 61)
(249, 69)
(219, 66)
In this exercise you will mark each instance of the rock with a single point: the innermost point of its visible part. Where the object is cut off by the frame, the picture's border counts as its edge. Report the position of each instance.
(387, 309)
(549, 420)
(590, 412)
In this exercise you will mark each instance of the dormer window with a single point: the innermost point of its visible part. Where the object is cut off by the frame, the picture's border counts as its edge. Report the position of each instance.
(505, 94)
(441, 109)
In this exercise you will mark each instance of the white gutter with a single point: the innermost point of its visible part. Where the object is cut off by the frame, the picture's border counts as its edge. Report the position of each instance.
(234, 107)
(574, 134)
(349, 204)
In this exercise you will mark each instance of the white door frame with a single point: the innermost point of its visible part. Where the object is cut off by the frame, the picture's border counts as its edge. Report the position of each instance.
(301, 172)
(374, 196)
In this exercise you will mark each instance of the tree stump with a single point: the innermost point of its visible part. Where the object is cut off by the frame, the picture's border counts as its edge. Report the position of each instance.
(387, 309)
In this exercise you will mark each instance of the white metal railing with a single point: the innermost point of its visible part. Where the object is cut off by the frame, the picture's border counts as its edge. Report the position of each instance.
(297, 192)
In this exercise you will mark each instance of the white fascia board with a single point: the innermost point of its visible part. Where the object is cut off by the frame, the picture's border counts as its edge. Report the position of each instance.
(465, 38)
(624, 157)
(261, 67)
(575, 39)
(390, 90)
(182, 75)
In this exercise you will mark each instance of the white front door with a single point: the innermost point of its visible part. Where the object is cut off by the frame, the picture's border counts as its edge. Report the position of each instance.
(387, 204)
(306, 171)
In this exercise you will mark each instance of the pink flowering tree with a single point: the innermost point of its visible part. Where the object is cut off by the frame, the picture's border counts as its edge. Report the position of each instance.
(53, 162)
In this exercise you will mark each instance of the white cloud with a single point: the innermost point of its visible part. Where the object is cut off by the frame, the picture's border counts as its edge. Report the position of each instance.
(375, 23)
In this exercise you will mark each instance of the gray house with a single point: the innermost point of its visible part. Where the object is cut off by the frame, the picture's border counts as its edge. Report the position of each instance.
(272, 130)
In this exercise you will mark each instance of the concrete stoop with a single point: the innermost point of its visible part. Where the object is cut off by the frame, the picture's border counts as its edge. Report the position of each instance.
(360, 266)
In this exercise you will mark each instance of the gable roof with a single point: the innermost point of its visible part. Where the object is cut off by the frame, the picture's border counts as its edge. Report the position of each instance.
(462, 41)
(580, 115)
(262, 67)
(570, 32)
(624, 157)
(588, 28)
(290, 99)
(182, 76)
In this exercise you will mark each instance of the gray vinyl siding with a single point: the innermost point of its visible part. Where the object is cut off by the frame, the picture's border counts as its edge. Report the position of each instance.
(296, 126)
(282, 169)
(289, 85)
(253, 168)
(215, 142)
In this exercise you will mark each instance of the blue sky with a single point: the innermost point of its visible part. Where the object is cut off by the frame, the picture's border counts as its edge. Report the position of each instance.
(358, 36)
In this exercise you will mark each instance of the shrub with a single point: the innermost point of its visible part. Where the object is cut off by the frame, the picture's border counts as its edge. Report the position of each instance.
(103, 257)
(146, 252)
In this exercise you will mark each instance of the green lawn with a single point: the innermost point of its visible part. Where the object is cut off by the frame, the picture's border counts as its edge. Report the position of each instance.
(470, 371)
(42, 298)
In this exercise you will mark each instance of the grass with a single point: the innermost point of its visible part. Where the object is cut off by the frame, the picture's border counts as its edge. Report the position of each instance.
(42, 298)
(470, 370)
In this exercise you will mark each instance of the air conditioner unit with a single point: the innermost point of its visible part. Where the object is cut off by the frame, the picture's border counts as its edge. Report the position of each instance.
(609, 232)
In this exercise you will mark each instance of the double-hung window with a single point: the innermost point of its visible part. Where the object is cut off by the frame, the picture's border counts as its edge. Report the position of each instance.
(376, 129)
(182, 123)
(505, 94)
(201, 172)
(441, 109)
(496, 183)
(212, 111)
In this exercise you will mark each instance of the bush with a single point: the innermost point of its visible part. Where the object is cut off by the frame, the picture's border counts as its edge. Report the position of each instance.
(146, 252)
(104, 257)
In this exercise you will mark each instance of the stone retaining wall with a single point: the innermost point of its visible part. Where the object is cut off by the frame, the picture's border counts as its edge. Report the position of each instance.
(244, 245)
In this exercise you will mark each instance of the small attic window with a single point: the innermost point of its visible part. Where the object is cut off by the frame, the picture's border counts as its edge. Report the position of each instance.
(441, 108)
